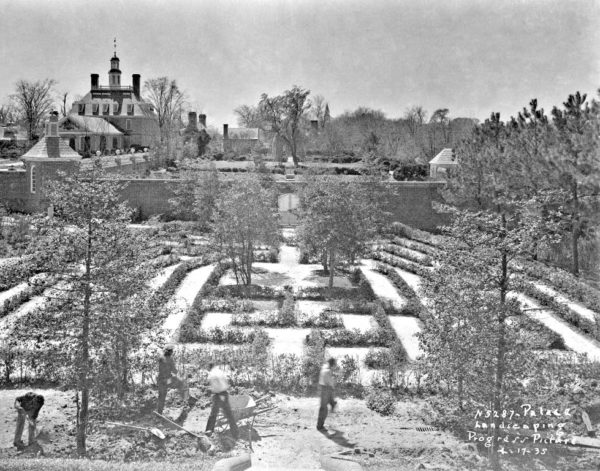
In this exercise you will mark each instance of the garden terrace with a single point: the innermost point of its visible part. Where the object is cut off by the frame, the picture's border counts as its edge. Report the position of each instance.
(551, 321)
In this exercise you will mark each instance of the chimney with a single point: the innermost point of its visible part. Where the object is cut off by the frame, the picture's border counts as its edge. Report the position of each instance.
(226, 131)
(314, 124)
(95, 81)
(52, 137)
(192, 121)
(202, 119)
(135, 80)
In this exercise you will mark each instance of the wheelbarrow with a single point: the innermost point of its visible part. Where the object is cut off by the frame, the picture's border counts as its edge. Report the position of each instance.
(243, 407)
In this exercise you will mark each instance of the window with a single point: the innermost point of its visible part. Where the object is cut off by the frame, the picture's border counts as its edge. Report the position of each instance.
(33, 181)
(81, 108)
(105, 109)
(115, 143)
(116, 108)
(128, 124)
(130, 110)
(95, 108)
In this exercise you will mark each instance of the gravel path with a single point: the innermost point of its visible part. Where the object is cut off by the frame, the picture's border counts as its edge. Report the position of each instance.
(574, 340)
(383, 288)
(358, 321)
(573, 306)
(183, 298)
(7, 322)
(216, 319)
(405, 326)
(162, 277)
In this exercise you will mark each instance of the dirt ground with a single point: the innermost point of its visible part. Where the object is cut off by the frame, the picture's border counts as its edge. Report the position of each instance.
(285, 437)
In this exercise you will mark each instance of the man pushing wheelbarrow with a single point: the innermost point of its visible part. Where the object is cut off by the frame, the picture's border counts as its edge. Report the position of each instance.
(220, 400)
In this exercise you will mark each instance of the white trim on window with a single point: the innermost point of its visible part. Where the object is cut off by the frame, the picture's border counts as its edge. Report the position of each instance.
(33, 180)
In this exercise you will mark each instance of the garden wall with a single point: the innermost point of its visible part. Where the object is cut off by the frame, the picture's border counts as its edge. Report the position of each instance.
(408, 202)
(13, 190)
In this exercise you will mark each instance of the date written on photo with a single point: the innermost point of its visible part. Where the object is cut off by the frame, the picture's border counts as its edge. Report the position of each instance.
(522, 451)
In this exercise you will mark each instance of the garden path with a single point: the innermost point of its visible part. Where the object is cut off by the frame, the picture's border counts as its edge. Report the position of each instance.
(406, 327)
(162, 277)
(573, 306)
(7, 322)
(183, 299)
(573, 340)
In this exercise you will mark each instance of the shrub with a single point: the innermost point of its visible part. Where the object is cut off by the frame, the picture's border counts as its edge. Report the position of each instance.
(381, 401)
(325, 320)
(287, 316)
(314, 356)
(349, 369)
(350, 306)
(402, 252)
(354, 338)
(414, 305)
(377, 359)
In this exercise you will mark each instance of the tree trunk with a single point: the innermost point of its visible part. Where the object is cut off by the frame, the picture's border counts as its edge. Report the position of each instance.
(575, 230)
(331, 266)
(324, 260)
(250, 256)
(85, 354)
(500, 360)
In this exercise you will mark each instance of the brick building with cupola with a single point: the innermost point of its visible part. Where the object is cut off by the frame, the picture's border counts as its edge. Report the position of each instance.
(111, 117)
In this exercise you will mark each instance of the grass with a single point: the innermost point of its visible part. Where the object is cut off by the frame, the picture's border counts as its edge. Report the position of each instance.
(59, 464)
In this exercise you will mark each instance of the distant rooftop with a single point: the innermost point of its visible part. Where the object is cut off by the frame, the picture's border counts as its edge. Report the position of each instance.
(446, 156)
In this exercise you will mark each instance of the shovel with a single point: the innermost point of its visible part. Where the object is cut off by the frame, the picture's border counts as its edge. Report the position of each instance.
(153, 430)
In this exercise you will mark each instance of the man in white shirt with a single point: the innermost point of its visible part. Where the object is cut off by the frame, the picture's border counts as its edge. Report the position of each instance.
(218, 384)
(326, 385)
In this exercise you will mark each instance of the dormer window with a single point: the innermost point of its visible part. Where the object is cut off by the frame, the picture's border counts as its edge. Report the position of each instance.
(81, 108)
(130, 110)
(95, 108)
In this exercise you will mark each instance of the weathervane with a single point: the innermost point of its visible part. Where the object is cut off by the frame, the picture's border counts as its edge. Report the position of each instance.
(115, 42)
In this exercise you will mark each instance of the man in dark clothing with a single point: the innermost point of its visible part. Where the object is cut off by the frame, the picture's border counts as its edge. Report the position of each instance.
(167, 378)
(218, 384)
(28, 407)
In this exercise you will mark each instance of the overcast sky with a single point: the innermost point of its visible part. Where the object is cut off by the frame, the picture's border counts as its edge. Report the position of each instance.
(473, 57)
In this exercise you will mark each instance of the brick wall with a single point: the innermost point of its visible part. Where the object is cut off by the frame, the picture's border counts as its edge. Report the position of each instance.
(408, 202)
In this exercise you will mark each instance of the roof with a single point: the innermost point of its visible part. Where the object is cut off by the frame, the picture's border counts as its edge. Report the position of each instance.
(40, 150)
(92, 125)
(445, 157)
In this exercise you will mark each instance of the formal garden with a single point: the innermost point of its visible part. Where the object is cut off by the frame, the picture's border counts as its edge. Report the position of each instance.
(497, 309)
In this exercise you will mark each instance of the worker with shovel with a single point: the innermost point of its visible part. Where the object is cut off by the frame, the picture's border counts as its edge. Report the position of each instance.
(28, 407)
(167, 379)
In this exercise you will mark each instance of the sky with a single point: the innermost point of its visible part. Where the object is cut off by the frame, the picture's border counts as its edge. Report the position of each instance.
(470, 56)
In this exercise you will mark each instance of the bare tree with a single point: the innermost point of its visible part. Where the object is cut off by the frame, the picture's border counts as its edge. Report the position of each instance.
(168, 101)
(318, 105)
(33, 101)
(63, 103)
(416, 117)
(284, 113)
(8, 113)
(249, 117)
